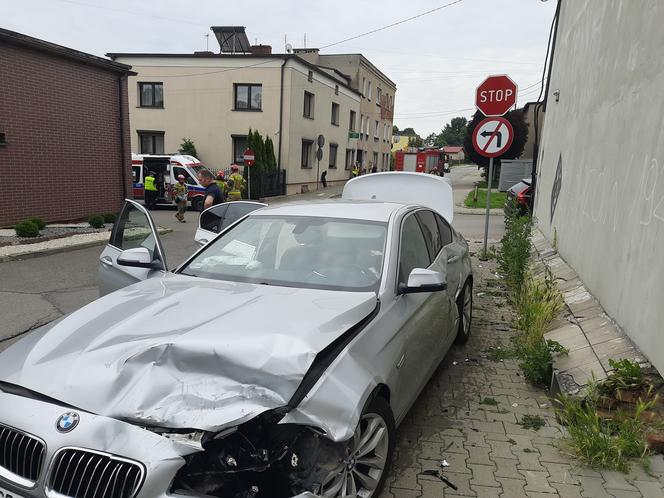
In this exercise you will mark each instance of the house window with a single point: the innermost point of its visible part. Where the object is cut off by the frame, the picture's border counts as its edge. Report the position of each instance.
(248, 97)
(375, 159)
(151, 94)
(351, 123)
(379, 94)
(335, 114)
(307, 148)
(151, 142)
(3, 139)
(336, 89)
(308, 105)
(333, 155)
(364, 87)
(369, 91)
(310, 76)
(239, 146)
(350, 158)
(376, 132)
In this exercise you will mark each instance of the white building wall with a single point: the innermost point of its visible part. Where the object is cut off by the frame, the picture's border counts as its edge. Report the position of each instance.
(298, 127)
(601, 168)
(199, 102)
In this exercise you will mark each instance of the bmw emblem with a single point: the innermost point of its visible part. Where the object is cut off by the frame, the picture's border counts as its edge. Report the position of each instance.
(67, 422)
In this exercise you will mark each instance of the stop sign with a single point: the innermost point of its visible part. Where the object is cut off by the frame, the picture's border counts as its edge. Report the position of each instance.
(495, 95)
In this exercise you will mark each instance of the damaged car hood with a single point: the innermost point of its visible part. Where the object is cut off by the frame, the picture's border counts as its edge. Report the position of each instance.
(184, 352)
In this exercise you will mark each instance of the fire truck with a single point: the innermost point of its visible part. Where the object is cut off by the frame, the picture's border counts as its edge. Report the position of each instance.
(420, 161)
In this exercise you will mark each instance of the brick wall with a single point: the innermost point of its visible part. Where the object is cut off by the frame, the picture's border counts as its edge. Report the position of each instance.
(63, 159)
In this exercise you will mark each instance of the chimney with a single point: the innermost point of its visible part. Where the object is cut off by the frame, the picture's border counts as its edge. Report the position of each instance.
(261, 49)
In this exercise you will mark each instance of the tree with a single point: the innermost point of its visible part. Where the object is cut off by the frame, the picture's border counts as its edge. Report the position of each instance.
(408, 132)
(516, 119)
(415, 141)
(430, 140)
(187, 147)
(453, 133)
(395, 130)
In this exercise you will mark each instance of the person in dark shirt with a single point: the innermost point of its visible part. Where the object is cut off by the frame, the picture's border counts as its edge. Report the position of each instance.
(213, 195)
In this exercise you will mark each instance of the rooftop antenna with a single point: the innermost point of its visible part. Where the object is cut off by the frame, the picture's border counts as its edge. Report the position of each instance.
(305, 40)
(207, 42)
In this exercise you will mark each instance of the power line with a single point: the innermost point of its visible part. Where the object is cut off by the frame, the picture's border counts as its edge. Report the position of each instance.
(382, 28)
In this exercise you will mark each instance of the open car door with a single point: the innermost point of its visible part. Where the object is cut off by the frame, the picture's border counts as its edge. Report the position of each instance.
(134, 252)
(216, 219)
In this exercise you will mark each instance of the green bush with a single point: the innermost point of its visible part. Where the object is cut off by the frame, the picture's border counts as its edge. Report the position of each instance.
(110, 217)
(27, 228)
(96, 221)
(41, 224)
(515, 249)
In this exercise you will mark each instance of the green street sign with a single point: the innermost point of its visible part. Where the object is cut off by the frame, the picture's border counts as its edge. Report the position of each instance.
(354, 134)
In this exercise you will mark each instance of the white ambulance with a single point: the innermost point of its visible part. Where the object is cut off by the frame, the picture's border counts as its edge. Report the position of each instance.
(165, 169)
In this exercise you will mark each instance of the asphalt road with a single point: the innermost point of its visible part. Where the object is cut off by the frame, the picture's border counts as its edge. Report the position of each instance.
(38, 290)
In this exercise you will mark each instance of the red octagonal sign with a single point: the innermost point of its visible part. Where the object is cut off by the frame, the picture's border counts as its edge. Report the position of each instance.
(495, 95)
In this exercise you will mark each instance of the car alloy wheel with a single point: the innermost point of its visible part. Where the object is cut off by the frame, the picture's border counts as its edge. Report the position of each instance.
(362, 471)
(465, 305)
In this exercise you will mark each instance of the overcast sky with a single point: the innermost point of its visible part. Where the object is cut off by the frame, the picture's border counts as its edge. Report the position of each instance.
(436, 60)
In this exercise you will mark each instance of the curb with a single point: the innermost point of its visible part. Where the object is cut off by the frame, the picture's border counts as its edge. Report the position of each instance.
(477, 211)
(71, 247)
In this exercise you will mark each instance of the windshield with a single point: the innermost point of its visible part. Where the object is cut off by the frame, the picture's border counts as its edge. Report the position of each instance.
(197, 168)
(297, 251)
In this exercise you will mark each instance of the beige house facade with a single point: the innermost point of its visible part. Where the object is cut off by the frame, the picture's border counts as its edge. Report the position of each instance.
(214, 99)
(376, 108)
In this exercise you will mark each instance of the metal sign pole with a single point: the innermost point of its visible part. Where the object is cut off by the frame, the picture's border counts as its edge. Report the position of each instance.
(317, 172)
(489, 179)
(249, 181)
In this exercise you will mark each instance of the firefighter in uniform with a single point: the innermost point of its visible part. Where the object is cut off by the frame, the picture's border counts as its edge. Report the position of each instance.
(180, 194)
(150, 190)
(237, 184)
(221, 182)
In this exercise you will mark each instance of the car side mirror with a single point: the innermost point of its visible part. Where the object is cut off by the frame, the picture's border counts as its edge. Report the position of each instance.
(138, 257)
(423, 280)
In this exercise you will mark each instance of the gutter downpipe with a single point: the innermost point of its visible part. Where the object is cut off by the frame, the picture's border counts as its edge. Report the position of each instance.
(281, 109)
(123, 146)
(542, 105)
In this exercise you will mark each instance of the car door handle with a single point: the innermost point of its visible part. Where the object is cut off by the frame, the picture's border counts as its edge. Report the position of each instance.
(453, 259)
(401, 360)
(106, 261)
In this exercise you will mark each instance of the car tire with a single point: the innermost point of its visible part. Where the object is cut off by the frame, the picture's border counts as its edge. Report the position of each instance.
(465, 308)
(353, 475)
(197, 204)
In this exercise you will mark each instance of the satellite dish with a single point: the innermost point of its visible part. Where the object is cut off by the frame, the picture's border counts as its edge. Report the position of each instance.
(289, 48)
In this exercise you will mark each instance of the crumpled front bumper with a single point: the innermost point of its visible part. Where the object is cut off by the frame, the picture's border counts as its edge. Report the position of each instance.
(161, 457)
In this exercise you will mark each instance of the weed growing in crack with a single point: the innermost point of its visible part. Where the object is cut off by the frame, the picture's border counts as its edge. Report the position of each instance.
(600, 441)
(488, 401)
(534, 422)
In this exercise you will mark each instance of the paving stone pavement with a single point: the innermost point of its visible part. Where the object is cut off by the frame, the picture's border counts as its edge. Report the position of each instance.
(489, 453)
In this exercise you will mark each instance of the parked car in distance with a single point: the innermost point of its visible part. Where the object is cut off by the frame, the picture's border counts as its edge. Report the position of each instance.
(520, 195)
(275, 362)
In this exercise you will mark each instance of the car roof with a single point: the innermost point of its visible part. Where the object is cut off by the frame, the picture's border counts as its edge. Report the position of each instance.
(341, 208)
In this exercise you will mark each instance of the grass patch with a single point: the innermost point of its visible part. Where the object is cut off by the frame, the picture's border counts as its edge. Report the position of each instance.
(497, 354)
(488, 401)
(601, 442)
(498, 199)
(534, 422)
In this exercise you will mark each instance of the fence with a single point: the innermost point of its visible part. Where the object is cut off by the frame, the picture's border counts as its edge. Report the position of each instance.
(263, 183)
